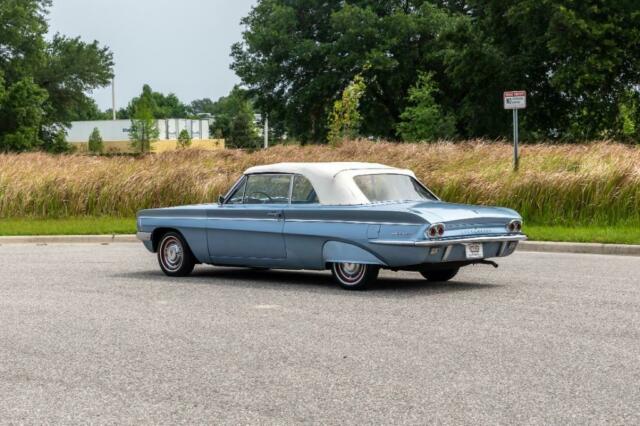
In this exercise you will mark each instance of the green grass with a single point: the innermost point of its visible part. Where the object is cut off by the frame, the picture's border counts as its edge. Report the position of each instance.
(68, 226)
(622, 234)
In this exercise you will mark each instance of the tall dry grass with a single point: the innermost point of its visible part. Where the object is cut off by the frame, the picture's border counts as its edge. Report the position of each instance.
(590, 183)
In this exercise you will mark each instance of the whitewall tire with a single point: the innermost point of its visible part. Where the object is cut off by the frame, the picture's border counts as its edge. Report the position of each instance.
(354, 276)
(174, 256)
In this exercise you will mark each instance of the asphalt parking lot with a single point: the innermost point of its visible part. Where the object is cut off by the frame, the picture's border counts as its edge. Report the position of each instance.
(96, 334)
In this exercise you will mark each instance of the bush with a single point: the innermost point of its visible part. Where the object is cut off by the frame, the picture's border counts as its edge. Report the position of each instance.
(96, 146)
(184, 139)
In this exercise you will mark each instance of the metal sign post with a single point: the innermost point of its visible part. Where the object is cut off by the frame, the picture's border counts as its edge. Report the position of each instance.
(515, 100)
(266, 131)
(516, 156)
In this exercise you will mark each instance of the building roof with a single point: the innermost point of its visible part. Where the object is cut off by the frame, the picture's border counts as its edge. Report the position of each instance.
(333, 182)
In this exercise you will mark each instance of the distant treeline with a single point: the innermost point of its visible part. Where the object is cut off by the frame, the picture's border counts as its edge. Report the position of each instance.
(428, 62)
(326, 70)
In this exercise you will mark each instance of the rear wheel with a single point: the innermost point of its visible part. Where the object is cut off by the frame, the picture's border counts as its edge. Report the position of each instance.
(174, 256)
(441, 275)
(354, 276)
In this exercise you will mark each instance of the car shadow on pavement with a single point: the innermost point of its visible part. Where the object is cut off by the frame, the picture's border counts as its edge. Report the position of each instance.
(278, 279)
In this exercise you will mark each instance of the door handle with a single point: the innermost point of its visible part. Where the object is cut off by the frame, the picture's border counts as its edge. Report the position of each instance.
(277, 215)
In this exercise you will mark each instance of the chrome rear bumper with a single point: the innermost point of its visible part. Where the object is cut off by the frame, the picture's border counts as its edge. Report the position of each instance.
(452, 241)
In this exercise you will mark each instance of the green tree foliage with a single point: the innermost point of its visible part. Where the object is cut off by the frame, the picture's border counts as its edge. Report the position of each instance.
(577, 60)
(96, 144)
(297, 54)
(234, 120)
(423, 119)
(22, 114)
(203, 107)
(162, 106)
(184, 139)
(345, 119)
(44, 81)
(144, 130)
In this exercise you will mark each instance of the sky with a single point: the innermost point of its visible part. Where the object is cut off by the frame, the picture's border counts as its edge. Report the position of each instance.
(178, 46)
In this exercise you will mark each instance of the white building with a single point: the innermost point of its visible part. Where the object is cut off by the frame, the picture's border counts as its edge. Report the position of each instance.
(118, 130)
(115, 134)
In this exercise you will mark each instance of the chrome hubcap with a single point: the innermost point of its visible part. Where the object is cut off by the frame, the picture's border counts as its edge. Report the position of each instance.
(350, 268)
(172, 253)
(350, 273)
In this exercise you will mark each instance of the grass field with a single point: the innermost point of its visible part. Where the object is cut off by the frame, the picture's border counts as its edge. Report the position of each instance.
(568, 185)
(111, 225)
(68, 226)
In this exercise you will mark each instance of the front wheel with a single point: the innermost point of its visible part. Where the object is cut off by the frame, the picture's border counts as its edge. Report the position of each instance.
(354, 276)
(174, 256)
(441, 275)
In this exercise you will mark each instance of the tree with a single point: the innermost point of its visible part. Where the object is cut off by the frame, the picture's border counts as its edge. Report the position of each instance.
(576, 60)
(22, 114)
(144, 130)
(572, 57)
(423, 119)
(297, 54)
(96, 145)
(184, 139)
(203, 106)
(44, 80)
(234, 120)
(242, 132)
(345, 119)
(161, 106)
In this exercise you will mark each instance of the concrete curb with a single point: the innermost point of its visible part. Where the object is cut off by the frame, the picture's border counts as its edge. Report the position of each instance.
(535, 246)
(580, 248)
(69, 239)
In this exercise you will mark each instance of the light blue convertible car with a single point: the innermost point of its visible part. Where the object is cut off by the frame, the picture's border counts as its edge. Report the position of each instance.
(351, 218)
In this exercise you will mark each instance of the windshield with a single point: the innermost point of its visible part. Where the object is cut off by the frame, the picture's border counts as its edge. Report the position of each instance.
(390, 187)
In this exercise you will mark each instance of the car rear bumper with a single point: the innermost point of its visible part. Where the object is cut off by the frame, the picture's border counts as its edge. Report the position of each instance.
(453, 241)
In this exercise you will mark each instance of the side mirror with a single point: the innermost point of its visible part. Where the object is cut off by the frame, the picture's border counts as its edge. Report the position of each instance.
(220, 200)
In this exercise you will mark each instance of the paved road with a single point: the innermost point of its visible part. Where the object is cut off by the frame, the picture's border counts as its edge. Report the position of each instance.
(92, 333)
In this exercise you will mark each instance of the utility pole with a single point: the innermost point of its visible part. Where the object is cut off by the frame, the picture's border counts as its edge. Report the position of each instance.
(113, 98)
(266, 131)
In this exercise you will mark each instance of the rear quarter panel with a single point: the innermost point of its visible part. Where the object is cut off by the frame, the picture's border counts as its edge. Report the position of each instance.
(308, 228)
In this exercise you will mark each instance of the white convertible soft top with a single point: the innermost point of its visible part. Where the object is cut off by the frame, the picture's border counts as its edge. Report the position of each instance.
(333, 182)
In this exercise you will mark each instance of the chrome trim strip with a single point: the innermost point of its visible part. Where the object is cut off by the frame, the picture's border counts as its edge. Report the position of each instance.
(430, 243)
(211, 218)
(255, 219)
(143, 236)
(174, 217)
(447, 253)
(352, 222)
(287, 220)
(503, 247)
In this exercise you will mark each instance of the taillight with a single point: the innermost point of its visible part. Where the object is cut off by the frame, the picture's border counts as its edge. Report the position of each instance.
(435, 230)
(514, 226)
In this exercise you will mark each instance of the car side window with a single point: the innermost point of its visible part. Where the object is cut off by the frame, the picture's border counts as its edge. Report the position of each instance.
(267, 189)
(303, 192)
(238, 195)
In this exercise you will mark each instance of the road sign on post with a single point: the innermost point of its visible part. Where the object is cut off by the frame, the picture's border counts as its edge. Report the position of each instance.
(515, 100)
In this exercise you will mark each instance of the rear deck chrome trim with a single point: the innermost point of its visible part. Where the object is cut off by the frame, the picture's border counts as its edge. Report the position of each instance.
(431, 243)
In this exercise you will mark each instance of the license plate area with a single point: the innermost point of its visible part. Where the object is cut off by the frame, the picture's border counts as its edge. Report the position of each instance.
(474, 251)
